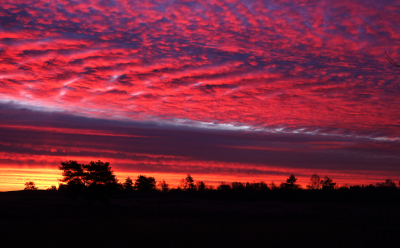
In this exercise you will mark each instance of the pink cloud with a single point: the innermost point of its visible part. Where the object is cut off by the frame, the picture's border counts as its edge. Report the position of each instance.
(315, 68)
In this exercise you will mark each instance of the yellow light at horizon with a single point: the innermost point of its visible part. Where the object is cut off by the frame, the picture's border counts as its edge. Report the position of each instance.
(15, 178)
(12, 179)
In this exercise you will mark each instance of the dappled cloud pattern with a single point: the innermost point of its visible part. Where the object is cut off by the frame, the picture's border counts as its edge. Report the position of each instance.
(314, 67)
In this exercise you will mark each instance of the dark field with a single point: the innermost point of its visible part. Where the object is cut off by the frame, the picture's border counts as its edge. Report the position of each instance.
(51, 219)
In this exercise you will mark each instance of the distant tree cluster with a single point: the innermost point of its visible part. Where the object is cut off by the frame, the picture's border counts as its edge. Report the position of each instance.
(387, 184)
(317, 183)
(188, 183)
(96, 181)
(30, 186)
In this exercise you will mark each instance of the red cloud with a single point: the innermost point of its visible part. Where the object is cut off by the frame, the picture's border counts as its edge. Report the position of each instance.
(315, 68)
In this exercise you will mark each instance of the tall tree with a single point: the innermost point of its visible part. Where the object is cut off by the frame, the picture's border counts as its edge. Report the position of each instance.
(128, 184)
(189, 183)
(94, 181)
(327, 184)
(74, 173)
(315, 182)
(100, 173)
(144, 183)
(291, 183)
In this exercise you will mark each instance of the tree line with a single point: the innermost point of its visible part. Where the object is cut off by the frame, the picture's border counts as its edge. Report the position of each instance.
(98, 177)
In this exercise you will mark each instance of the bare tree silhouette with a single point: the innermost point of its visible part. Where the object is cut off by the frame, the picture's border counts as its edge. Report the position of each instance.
(163, 186)
(315, 182)
(391, 60)
(188, 183)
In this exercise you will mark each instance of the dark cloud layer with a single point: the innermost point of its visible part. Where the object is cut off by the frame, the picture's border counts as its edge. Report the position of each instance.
(44, 139)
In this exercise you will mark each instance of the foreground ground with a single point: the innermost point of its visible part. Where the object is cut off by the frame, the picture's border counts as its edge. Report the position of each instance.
(50, 219)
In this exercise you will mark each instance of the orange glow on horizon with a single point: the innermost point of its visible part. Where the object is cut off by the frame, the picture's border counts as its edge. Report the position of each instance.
(13, 179)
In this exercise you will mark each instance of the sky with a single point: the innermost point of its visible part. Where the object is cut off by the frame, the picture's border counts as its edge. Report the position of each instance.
(223, 90)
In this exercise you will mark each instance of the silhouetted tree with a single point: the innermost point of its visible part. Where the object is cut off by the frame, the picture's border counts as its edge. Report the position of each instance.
(224, 186)
(52, 187)
(263, 186)
(30, 186)
(388, 183)
(128, 184)
(93, 181)
(238, 186)
(273, 186)
(370, 187)
(327, 184)
(315, 182)
(144, 183)
(291, 183)
(163, 186)
(256, 186)
(355, 187)
(62, 187)
(91, 174)
(189, 183)
(201, 186)
(100, 173)
(73, 173)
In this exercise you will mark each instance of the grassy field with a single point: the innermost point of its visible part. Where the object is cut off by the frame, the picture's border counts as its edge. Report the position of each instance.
(51, 219)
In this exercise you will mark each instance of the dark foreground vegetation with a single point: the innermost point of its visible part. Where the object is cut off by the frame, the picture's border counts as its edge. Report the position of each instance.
(96, 182)
(91, 209)
(194, 219)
